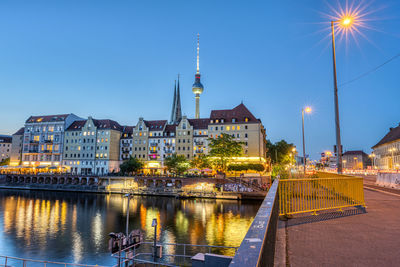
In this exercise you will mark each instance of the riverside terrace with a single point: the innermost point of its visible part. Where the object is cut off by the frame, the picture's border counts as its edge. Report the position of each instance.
(228, 188)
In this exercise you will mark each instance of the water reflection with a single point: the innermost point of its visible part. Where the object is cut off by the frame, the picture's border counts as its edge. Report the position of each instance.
(74, 227)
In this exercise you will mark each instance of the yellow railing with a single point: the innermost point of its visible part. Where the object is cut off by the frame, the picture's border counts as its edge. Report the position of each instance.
(316, 194)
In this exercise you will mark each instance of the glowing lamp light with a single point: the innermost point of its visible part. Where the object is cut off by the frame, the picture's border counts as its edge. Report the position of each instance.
(308, 110)
(346, 21)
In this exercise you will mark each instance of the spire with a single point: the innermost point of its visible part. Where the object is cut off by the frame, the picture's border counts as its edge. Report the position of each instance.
(173, 106)
(198, 54)
(178, 103)
(176, 113)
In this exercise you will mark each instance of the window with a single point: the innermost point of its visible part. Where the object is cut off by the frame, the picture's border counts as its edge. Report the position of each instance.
(246, 119)
(244, 127)
(245, 135)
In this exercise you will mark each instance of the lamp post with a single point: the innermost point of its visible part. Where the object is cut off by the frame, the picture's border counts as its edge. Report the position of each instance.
(307, 110)
(128, 196)
(154, 224)
(345, 22)
(372, 156)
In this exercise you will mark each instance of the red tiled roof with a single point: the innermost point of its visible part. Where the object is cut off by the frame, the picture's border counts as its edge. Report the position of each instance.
(199, 123)
(240, 113)
(170, 128)
(392, 135)
(20, 131)
(155, 125)
(128, 129)
(47, 118)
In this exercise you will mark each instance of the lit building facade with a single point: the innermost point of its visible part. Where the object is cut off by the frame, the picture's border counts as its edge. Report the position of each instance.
(154, 141)
(44, 138)
(386, 153)
(16, 147)
(5, 147)
(92, 147)
(355, 159)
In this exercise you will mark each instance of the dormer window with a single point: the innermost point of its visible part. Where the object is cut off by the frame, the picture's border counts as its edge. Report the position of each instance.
(246, 119)
(216, 121)
(211, 121)
(233, 120)
(222, 120)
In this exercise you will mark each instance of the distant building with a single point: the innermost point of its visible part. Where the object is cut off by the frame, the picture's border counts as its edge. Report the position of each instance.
(386, 152)
(356, 159)
(92, 147)
(126, 143)
(16, 147)
(43, 139)
(5, 146)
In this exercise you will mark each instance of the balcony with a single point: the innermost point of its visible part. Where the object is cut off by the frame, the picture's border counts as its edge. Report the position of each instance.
(199, 151)
(153, 144)
(33, 151)
(47, 151)
(199, 143)
(125, 145)
(33, 142)
(48, 141)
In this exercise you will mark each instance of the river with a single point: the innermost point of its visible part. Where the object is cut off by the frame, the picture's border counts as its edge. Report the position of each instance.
(74, 227)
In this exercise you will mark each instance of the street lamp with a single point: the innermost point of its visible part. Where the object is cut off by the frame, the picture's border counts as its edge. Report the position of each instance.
(372, 156)
(307, 110)
(345, 22)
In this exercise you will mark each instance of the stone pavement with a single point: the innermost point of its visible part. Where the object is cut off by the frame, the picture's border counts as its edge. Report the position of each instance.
(352, 238)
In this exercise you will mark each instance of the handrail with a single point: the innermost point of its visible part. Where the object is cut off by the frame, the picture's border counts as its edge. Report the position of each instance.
(46, 262)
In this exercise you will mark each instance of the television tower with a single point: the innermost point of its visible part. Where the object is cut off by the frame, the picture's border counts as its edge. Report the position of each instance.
(197, 87)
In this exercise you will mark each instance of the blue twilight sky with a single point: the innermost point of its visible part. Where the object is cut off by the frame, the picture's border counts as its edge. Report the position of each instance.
(119, 60)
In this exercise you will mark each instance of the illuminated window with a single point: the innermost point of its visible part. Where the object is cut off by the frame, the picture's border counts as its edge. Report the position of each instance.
(140, 134)
(238, 127)
(84, 133)
(79, 148)
(246, 119)
(51, 128)
(36, 138)
(228, 128)
(233, 128)
(199, 132)
(102, 140)
(77, 162)
(106, 139)
(150, 134)
(216, 121)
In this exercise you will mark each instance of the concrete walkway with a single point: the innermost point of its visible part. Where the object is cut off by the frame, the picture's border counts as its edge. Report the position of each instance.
(351, 238)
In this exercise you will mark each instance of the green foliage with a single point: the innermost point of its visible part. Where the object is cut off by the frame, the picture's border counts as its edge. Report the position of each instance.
(281, 152)
(201, 162)
(246, 166)
(132, 165)
(176, 164)
(222, 149)
(5, 162)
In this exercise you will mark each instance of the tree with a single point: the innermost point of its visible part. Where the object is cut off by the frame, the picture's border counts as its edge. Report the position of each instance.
(281, 152)
(223, 148)
(5, 162)
(132, 165)
(176, 164)
(246, 166)
(201, 162)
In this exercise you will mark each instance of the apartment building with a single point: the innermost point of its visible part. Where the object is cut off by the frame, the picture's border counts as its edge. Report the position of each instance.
(16, 147)
(386, 154)
(126, 143)
(5, 147)
(92, 147)
(42, 144)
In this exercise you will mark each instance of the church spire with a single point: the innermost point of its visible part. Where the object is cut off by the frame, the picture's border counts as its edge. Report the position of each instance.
(176, 113)
(178, 103)
(173, 106)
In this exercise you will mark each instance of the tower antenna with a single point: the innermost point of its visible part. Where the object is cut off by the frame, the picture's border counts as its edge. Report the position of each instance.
(198, 54)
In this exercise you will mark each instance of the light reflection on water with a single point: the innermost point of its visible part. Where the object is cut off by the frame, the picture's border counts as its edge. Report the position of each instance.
(73, 227)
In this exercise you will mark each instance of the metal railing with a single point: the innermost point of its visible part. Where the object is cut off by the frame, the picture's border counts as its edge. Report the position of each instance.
(14, 261)
(143, 252)
(317, 194)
